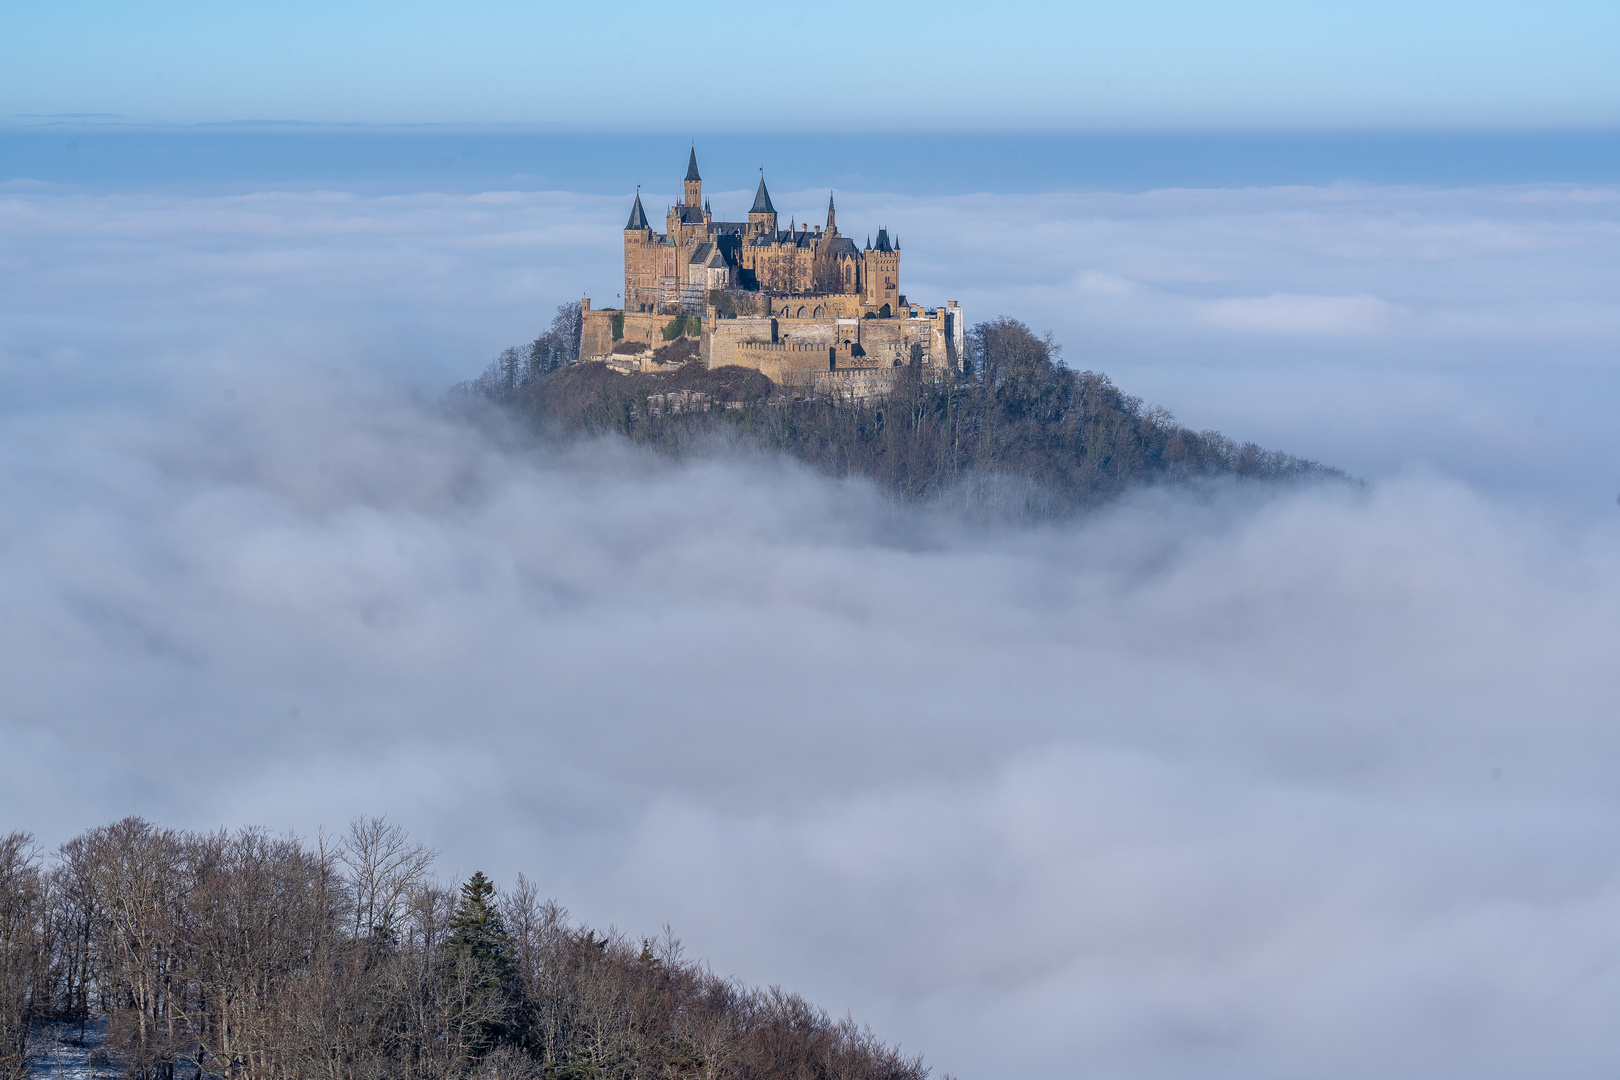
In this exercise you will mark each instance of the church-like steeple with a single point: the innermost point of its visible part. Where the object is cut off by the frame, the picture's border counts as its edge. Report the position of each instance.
(638, 217)
(832, 214)
(692, 187)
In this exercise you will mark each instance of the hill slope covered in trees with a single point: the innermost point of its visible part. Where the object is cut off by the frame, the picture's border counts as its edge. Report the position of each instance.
(1017, 427)
(252, 956)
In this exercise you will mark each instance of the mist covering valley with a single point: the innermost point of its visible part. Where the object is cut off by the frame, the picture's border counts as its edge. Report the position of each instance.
(1226, 778)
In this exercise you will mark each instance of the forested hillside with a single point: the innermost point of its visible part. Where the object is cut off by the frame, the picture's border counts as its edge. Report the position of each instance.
(1017, 426)
(247, 955)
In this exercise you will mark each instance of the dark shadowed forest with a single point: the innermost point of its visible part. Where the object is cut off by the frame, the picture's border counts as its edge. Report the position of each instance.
(190, 955)
(1017, 428)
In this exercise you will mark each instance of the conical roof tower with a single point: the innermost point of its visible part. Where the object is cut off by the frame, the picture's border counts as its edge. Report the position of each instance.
(638, 217)
(762, 199)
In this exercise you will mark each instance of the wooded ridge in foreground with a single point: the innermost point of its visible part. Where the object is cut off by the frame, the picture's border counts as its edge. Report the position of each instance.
(254, 956)
(1016, 424)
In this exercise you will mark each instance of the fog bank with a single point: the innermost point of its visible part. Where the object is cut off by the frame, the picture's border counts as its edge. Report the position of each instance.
(1228, 781)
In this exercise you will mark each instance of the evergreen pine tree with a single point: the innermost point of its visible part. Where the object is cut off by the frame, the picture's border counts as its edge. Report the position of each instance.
(477, 930)
(479, 943)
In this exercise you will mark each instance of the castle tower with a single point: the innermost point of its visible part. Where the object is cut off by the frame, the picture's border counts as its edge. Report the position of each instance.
(640, 263)
(694, 182)
(881, 277)
(638, 217)
(762, 217)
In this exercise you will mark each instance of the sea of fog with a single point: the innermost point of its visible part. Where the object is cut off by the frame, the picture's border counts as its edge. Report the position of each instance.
(1236, 782)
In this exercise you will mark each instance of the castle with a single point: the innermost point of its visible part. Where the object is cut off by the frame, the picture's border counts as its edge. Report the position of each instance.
(807, 307)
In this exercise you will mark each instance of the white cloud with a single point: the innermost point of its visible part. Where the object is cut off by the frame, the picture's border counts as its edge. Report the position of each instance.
(1286, 313)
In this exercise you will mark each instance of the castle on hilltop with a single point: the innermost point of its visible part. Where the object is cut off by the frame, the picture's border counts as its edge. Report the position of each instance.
(804, 305)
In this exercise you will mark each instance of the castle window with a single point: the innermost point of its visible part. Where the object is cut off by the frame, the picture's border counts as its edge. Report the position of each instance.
(801, 311)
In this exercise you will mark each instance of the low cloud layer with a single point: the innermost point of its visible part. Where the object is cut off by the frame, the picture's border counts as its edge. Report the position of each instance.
(1370, 327)
(1234, 782)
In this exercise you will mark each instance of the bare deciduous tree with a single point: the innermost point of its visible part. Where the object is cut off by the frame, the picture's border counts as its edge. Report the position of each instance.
(246, 956)
(24, 956)
(385, 869)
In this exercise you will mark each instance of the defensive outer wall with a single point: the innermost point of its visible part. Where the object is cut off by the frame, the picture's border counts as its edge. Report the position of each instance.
(850, 357)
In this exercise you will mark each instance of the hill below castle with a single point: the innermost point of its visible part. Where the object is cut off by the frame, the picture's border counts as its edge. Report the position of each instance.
(1016, 430)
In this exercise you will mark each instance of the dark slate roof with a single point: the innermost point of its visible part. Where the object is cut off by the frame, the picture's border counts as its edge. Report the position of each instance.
(762, 200)
(842, 245)
(689, 215)
(638, 218)
(691, 166)
(727, 226)
(883, 240)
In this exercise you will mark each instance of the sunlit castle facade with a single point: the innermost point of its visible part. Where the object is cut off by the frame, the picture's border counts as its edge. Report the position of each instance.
(761, 296)
(676, 269)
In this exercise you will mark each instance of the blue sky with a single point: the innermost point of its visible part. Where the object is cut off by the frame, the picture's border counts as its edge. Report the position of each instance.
(1158, 64)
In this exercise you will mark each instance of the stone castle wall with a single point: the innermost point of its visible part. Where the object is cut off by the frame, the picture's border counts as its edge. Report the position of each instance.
(722, 338)
(596, 338)
(788, 350)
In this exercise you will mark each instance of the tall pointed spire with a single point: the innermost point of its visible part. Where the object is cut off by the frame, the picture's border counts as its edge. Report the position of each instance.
(762, 198)
(691, 165)
(832, 214)
(638, 217)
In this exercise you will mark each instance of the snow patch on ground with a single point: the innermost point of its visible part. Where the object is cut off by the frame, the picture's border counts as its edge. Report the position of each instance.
(68, 1052)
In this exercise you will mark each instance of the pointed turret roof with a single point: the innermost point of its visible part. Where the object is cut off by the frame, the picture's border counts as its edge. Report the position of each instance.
(638, 217)
(883, 240)
(762, 199)
(691, 166)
